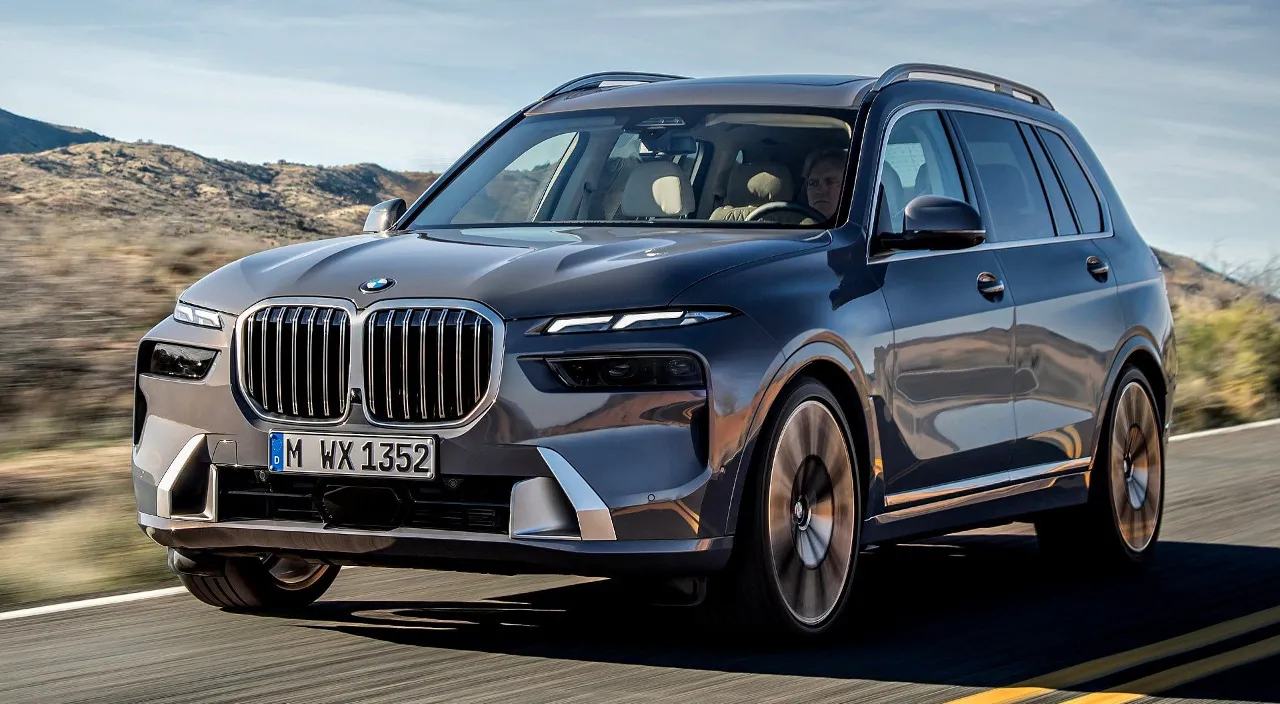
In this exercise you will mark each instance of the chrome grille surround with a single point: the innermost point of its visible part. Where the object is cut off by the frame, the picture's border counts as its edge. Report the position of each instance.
(425, 364)
(278, 342)
(356, 352)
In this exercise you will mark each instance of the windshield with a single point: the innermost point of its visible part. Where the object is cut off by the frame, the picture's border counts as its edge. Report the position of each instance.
(675, 166)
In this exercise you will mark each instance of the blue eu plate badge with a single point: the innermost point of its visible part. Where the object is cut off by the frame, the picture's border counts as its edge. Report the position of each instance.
(277, 452)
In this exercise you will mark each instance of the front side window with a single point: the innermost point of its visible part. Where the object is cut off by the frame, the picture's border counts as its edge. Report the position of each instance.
(676, 166)
(918, 161)
(1016, 205)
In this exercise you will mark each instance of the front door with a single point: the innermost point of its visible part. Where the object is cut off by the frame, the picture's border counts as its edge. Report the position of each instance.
(950, 405)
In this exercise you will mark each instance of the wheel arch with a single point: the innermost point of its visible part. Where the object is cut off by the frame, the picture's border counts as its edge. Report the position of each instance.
(1143, 352)
(842, 374)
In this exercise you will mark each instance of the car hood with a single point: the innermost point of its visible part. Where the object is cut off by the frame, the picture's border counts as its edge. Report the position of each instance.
(518, 272)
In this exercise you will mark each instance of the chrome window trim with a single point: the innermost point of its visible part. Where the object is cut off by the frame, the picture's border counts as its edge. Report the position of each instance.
(986, 481)
(357, 323)
(940, 105)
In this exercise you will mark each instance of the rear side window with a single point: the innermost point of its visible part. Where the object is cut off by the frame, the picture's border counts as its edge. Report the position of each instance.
(1083, 198)
(1016, 205)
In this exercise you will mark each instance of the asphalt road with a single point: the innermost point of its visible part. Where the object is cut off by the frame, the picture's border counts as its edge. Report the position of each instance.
(968, 615)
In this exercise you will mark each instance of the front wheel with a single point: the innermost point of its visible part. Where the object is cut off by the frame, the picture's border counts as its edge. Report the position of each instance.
(254, 584)
(1121, 523)
(793, 569)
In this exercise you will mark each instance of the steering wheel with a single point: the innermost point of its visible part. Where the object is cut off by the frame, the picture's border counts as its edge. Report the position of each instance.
(777, 205)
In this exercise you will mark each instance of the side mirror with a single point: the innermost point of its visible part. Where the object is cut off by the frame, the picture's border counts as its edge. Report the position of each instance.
(385, 214)
(937, 222)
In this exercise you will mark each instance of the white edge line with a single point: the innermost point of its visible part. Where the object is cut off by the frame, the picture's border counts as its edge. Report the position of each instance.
(103, 601)
(170, 591)
(90, 603)
(1224, 431)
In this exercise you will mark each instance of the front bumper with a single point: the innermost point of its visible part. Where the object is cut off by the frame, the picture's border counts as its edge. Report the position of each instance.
(446, 550)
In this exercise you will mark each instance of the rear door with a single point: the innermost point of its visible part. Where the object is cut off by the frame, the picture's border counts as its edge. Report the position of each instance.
(951, 366)
(1068, 317)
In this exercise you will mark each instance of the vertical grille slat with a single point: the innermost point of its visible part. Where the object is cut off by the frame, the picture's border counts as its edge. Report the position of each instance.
(403, 332)
(421, 362)
(293, 362)
(324, 364)
(279, 374)
(475, 361)
(311, 315)
(457, 365)
(391, 409)
(434, 367)
(290, 371)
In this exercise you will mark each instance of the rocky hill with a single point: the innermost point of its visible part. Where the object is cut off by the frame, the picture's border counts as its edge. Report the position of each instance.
(115, 180)
(22, 135)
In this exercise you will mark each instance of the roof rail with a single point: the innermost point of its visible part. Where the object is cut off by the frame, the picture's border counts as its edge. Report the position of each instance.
(596, 80)
(951, 74)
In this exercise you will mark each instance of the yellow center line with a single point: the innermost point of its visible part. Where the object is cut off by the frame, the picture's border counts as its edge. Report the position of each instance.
(1085, 672)
(1183, 674)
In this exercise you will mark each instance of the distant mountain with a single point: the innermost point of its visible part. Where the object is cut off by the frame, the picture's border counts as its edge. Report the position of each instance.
(184, 191)
(22, 135)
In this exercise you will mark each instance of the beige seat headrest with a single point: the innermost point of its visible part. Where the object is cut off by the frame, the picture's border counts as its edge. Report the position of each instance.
(759, 183)
(657, 189)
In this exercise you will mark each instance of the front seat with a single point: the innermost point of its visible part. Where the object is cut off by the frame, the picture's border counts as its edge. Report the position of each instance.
(753, 185)
(656, 189)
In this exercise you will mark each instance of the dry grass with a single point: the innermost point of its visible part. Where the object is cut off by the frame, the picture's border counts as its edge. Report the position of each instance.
(1228, 365)
(68, 527)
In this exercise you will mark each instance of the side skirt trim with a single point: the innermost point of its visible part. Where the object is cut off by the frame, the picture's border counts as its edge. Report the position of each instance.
(987, 481)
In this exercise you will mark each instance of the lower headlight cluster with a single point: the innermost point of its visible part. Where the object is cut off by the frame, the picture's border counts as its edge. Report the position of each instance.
(181, 361)
(646, 371)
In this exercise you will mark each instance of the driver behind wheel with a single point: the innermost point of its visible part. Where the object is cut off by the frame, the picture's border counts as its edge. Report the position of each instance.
(823, 179)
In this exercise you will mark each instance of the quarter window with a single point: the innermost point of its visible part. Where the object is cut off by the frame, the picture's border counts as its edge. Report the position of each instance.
(1016, 205)
(1063, 220)
(1083, 198)
(917, 161)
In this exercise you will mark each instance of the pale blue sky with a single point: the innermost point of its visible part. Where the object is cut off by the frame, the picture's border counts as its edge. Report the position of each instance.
(1180, 98)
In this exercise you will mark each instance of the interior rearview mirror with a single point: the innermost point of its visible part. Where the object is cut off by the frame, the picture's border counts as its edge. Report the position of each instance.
(385, 214)
(937, 222)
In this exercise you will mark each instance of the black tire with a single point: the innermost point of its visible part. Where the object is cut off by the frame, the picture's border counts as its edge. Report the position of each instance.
(1110, 531)
(749, 595)
(249, 584)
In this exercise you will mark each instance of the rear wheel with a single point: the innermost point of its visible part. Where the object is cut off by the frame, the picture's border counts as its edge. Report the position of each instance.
(1121, 523)
(254, 584)
(792, 570)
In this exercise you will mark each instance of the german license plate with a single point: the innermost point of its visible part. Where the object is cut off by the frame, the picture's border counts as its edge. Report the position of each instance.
(310, 453)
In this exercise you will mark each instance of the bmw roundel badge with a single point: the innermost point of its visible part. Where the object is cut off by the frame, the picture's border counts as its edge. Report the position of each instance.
(376, 285)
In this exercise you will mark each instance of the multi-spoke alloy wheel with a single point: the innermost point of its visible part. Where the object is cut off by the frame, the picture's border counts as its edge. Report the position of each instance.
(1136, 468)
(796, 553)
(811, 512)
(1120, 524)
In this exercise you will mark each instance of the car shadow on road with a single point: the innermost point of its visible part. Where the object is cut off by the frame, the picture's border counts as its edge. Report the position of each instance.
(970, 610)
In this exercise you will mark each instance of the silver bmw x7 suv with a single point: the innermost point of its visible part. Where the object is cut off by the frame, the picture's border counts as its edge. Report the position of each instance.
(728, 331)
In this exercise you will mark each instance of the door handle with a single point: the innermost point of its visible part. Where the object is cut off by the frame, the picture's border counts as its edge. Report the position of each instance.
(1097, 267)
(989, 285)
